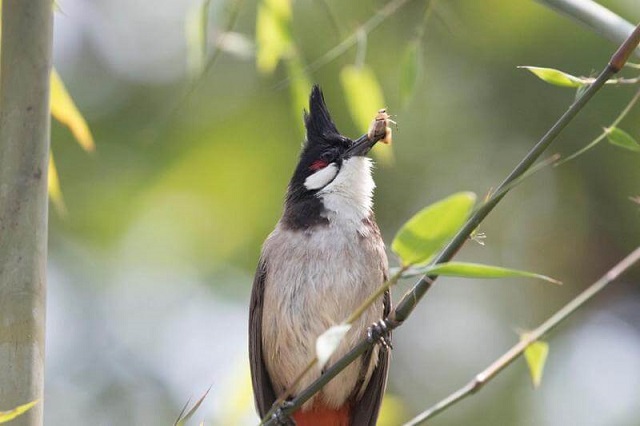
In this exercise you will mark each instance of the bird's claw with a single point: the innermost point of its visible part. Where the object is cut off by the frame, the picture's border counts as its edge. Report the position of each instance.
(281, 418)
(380, 332)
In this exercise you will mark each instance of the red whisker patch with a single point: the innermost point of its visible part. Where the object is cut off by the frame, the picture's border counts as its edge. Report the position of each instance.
(318, 164)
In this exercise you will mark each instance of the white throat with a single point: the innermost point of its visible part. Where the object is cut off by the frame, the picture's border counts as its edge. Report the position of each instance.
(349, 197)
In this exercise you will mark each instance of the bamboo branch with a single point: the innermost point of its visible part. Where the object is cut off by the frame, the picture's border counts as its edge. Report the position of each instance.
(596, 17)
(512, 354)
(24, 153)
(411, 298)
(619, 58)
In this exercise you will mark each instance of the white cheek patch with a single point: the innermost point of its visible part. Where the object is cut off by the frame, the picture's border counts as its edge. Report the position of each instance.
(349, 195)
(321, 178)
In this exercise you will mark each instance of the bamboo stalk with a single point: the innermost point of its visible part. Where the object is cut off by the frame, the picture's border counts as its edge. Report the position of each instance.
(25, 63)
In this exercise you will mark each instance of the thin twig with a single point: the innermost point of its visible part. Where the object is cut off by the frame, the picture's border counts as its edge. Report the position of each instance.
(512, 354)
(603, 135)
(342, 47)
(411, 298)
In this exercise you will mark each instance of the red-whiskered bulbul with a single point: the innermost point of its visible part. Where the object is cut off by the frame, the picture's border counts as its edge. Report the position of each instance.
(324, 258)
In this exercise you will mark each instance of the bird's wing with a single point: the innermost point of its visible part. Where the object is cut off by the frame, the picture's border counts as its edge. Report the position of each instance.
(263, 392)
(365, 409)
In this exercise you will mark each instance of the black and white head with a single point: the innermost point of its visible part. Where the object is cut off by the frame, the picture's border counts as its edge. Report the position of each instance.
(332, 181)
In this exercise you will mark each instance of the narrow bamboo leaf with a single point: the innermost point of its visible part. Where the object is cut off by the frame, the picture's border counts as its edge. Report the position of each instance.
(428, 231)
(273, 37)
(197, 34)
(55, 192)
(536, 356)
(620, 138)
(65, 111)
(182, 419)
(555, 77)
(476, 270)
(364, 98)
(328, 342)
(6, 416)
(410, 70)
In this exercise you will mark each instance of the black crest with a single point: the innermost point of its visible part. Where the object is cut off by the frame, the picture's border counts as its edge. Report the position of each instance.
(322, 134)
(324, 142)
(318, 120)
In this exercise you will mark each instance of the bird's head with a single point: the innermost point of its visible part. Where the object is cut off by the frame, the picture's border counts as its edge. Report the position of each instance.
(332, 180)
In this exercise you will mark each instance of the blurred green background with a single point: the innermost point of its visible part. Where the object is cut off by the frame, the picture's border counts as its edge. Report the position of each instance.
(151, 268)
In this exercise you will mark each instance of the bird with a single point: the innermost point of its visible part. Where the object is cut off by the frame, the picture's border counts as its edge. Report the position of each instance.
(323, 259)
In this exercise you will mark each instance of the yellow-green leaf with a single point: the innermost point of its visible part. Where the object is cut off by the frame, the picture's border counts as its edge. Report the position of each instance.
(6, 416)
(410, 70)
(422, 236)
(273, 35)
(364, 98)
(536, 356)
(555, 77)
(622, 139)
(55, 192)
(476, 270)
(65, 111)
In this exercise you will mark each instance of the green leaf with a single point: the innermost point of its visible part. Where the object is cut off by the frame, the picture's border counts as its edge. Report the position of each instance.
(6, 416)
(273, 35)
(182, 418)
(555, 77)
(622, 139)
(476, 270)
(429, 230)
(65, 111)
(364, 98)
(410, 70)
(536, 355)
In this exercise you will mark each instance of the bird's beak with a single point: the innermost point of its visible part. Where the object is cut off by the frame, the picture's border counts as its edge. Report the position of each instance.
(360, 147)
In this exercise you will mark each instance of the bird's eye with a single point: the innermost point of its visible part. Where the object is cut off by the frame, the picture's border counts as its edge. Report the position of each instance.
(318, 164)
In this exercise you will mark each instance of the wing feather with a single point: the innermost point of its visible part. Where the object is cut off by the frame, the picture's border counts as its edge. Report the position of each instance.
(263, 392)
(365, 409)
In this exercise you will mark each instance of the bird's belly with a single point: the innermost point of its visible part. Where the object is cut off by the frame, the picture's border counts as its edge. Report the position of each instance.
(313, 287)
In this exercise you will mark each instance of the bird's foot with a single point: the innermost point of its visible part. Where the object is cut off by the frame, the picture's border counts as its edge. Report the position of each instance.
(281, 418)
(380, 332)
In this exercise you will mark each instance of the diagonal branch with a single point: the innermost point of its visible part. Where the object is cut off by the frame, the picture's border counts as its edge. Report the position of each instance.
(512, 354)
(617, 61)
(411, 298)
